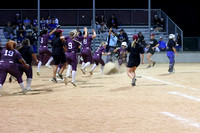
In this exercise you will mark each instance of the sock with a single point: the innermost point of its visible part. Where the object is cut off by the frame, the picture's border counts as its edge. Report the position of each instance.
(83, 64)
(93, 67)
(0, 87)
(22, 85)
(73, 76)
(68, 71)
(49, 61)
(86, 65)
(28, 83)
(102, 67)
(58, 70)
(39, 65)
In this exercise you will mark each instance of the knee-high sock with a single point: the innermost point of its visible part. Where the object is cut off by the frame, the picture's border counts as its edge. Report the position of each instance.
(69, 71)
(86, 65)
(83, 64)
(28, 83)
(49, 61)
(22, 86)
(73, 76)
(102, 67)
(39, 65)
(0, 87)
(93, 67)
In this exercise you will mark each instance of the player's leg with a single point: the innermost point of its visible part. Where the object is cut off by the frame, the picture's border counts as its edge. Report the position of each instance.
(74, 69)
(171, 61)
(150, 61)
(102, 65)
(40, 64)
(48, 52)
(131, 74)
(3, 75)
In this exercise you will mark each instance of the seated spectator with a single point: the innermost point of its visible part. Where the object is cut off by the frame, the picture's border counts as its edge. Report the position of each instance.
(103, 23)
(52, 25)
(33, 40)
(42, 23)
(21, 29)
(48, 21)
(162, 23)
(27, 23)
(122, 37)
(98, 26)
(56, 20)
(162, 44)
(141, 39)
(156, 21)
(16, 20)
(20, 39)
(8, 31)
(113, 22)
(178, 43)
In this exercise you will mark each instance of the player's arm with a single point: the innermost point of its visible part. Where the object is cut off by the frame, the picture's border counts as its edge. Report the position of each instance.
(110, 31)
(142, 57)
(94, 34)
(86, 32)
(103, 53)
(65, 48)
(175, 51)
(116, 50)
(54, 30)
(34, 57)
(23, 63)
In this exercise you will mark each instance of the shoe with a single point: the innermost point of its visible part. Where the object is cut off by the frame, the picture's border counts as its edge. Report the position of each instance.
(66, 80)
(154, 63)
(60, 76)
(74, 83)
(149, 66)
(91, 72)
(24, 91)
(69, 76)
(133, 82)
(54, 80)
(48, 66)
(83, 71)
(29, 89)
(38, 73)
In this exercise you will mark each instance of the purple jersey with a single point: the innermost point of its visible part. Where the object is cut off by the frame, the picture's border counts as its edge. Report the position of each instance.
(44, 40)
(122, 53)
(86, 42)
(72, 44)
(100, 50)
(10, 55)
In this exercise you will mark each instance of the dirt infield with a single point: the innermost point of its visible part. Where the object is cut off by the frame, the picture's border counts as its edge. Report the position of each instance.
(160, 103)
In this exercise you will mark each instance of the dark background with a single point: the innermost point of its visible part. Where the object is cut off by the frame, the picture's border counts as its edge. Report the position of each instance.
(186, 14)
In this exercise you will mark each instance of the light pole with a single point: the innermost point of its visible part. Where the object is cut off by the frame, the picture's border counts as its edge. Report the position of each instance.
(149, 19)
(38, 21)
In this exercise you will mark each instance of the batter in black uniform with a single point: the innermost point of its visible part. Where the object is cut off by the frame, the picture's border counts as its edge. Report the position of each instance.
(58, 53)
(135, 50)
(153, 44)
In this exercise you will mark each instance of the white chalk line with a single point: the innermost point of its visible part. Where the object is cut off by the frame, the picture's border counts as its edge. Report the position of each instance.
(184, 95)
(170, 83)
(179, 118)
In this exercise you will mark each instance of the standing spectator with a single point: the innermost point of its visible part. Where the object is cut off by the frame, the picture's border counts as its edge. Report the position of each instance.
(122, 37)
(156, 22)
(52, 25)
(113, 22)
(162, 44)
(103, 23)
(97, 22)
(32, 40)
(27, 23)
(178, 43)
(141, 39)
(8, 31)
(42, 24)
(35, 25)
(21, 29)
(48, 21)
(16, 20)
(162, 23)
(112, 42)
(20, 39)
(56, 20)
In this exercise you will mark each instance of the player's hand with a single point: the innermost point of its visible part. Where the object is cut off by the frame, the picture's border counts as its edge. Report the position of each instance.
(62, 37)
(27, 66)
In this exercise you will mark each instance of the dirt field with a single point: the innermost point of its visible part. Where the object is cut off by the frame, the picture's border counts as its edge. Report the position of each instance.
(160, 103)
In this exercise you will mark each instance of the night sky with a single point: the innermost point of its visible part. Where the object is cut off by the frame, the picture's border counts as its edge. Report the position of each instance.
(185, 13)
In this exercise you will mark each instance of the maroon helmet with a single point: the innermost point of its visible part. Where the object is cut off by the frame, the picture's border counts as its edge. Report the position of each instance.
(135, 37)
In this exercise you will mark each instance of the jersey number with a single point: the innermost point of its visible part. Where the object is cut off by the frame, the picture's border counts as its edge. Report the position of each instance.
(69, 45)
(9, 53)
(84, 41)
(42, 40)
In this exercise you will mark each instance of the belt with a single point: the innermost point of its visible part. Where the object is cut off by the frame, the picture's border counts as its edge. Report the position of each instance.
(7, 61)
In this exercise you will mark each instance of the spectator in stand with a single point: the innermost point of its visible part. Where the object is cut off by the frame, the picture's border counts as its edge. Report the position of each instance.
(56, 20)
(8, 31)
(35, 25)
(103, 23)
(79, 33)
(48, 21)
(156, 22)
(97, 22)
(178, 43)
(113, 22)
(52, 25)
(122, 37)
(162, 23)
(141, 39)
(16, 20)
(42, 24)
(20, 39)
(21, 29)
(162, 44)
(27, 23)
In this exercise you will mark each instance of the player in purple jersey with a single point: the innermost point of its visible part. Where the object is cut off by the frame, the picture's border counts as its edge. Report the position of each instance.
(86, 49)
(9, 58)
(122, 52)
(97, 57)
(44, 36)
(72, 44)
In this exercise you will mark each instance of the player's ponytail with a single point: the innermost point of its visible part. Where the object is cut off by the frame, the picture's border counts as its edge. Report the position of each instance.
(135, 39)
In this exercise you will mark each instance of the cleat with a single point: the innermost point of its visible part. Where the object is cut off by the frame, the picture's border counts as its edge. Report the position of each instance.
(154, 63)
(48, 66)
(133, 82)
(83, 71)
(24, 91)
(60, 76)
(69, 76)
(54, 80)
(91, 72)
(38, 73)
(74, 83)
(149, 66)
(29, 89)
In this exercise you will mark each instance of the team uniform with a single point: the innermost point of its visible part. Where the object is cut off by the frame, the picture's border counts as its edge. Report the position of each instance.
(170, 54)
(122, 59)
(152, 43)
(134, 57)
(8, 61)
(86, 49)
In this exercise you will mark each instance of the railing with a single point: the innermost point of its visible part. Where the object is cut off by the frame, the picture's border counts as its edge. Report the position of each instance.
(83, 17)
